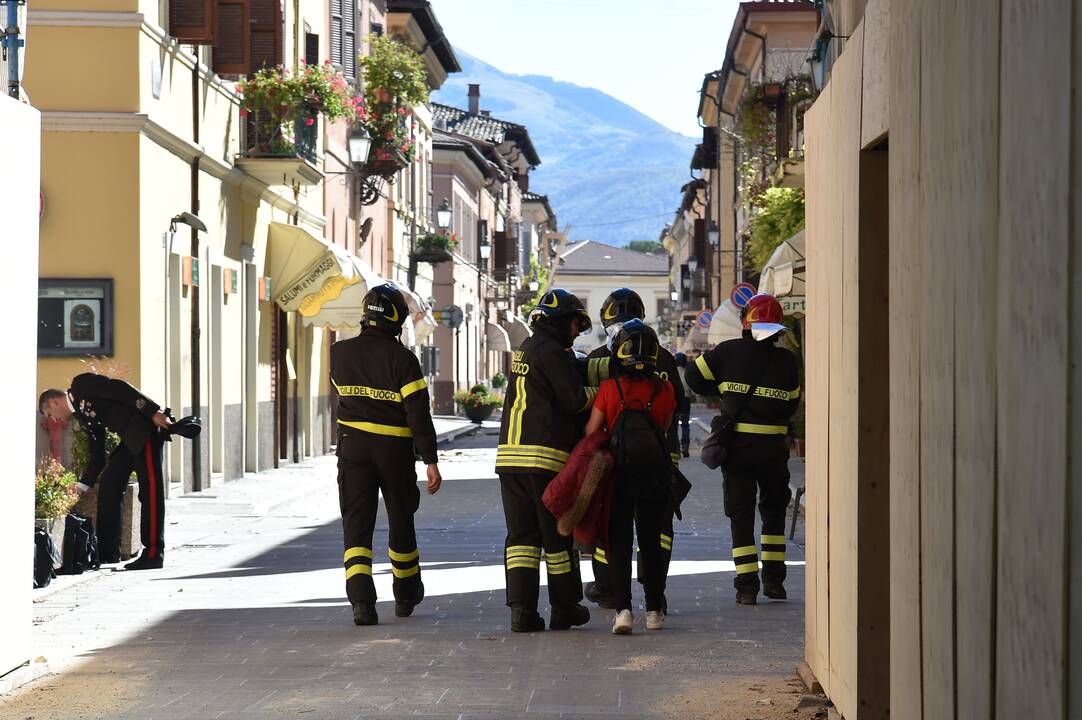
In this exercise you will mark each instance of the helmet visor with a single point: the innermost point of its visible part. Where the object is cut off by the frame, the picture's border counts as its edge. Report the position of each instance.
(763, 331)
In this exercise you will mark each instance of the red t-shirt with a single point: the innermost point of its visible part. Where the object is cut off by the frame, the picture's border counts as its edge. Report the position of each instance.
(636, 388)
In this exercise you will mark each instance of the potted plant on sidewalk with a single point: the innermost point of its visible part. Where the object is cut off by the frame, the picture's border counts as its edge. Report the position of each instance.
(478, 402)
(54, 496)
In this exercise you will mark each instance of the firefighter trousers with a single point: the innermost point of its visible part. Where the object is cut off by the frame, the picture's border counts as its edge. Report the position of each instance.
(531, 537)
(758, 466)
(374, 467)
(600, 562)
(147, 465)
(648, 517)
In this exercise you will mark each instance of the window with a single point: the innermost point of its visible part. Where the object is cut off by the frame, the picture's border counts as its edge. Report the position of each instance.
(344, 36)
(311, 49)
(75, 317)
(193, 21)
(249, 36)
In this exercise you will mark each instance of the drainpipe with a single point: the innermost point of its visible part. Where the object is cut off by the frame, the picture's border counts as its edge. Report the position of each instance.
(12, 43)
(197, 444)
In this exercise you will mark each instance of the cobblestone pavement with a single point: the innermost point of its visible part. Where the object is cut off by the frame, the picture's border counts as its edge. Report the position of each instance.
(249, 620)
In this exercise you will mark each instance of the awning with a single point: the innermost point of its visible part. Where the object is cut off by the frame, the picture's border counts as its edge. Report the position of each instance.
(517, 330)
(784, 271)
(345, 311)
(726, 324)
(696, 340)
(497, 338)
(307, 271)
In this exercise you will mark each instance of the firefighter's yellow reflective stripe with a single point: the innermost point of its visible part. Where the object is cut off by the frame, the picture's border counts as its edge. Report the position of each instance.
(378, 429)
(528, 550)
(666, 537)
(408, 572)
(368, 392)
(666, 544)
(540, 450)
(535, 463)
(773, 539)
(523, 563)
(675, 457)
(591, 393)
(764, 392)
(403, 557)
(559, 557)
(514, 425)
(742, 551)
(755, 429)
(747, 568)
(704, 368)
(558, 568)
(599, 555)
(413, 387)
(357, 552)
(358, 569)
(768, 555)
(593, 379)
(603, 365)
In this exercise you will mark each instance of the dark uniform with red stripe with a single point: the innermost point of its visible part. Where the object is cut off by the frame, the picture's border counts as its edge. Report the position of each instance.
(102, 403)
(383, 419)
(598, 369)
(759, 457)
(538, 431)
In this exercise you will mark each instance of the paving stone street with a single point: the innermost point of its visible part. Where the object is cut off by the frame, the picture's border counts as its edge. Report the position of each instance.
(249, 620)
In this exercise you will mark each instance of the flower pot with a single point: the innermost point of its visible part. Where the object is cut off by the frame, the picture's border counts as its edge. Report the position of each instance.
(479, 413)
(433, 256)
(386, 163)
(55, 528)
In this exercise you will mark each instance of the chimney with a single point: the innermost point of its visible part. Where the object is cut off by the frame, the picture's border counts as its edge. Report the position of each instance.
(486, 113)
(475, 98)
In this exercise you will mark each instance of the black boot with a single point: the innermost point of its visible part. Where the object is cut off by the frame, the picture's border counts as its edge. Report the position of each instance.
(774, 590)
(404, 608)
(599, 595)
(365, 614)
(747, 596)
(145, 562)
(526, 620)
(565, 617)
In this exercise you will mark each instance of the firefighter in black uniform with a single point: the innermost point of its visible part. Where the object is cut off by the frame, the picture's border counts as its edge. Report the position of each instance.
(621, 306)
(101, 404)
(759, 456)
(538, 431)
(383, 420)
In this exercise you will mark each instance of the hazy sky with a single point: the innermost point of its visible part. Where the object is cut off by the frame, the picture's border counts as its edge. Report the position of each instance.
(650, 54)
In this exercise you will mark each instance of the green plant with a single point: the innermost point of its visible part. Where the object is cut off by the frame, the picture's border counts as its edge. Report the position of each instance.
(54, 489)
(780, 215)
(499, 380)
(435, 242)
(541, 275)
(80, 449)
(395, 80)
(644, 246)
(478, 396)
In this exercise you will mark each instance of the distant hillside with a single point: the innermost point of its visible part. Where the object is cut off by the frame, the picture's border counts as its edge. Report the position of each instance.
(602, 160)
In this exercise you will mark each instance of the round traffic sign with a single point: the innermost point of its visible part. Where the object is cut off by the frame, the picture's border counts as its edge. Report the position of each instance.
(704, 318)
(741, 293)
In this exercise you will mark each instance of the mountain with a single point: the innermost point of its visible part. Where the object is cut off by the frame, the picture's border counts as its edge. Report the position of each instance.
(602, 161)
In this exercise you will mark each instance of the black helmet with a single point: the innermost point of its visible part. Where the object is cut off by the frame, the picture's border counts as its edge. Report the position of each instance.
(384, 307)
(622, 305)
(636, 347)
(556, 304)
(681, 359)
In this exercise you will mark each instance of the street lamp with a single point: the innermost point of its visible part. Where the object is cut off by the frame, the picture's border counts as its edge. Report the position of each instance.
(486, 249)
(675, 295)
(444, 215)
(714, 235)
(533, 286)
(359, 146)
(693, 264)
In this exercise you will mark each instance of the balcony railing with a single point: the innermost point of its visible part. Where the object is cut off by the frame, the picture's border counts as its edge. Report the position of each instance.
(265, 138)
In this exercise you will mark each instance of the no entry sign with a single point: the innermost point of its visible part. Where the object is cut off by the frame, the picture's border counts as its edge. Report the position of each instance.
(741, 293)
(704, 318)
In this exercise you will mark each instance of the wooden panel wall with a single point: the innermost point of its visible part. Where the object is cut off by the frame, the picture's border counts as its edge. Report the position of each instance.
(985, 317)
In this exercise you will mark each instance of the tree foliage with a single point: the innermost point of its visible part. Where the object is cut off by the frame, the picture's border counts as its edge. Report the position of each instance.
(644, 246)
(779, 216)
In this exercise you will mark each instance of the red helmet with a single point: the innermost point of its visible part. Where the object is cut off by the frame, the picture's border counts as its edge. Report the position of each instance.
(763, 316)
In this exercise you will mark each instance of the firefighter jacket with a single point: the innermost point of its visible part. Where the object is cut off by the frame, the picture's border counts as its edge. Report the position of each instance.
(382, 393)
(733, 367)
(102, 403)
(544, 396)
(598, 369)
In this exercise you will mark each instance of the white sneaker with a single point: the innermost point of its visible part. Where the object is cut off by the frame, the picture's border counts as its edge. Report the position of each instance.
(623, 623)
(655, 620)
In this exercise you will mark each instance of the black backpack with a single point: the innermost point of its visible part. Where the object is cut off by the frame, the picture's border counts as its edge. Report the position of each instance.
(638, 447)
(46, 558)
(80, 546)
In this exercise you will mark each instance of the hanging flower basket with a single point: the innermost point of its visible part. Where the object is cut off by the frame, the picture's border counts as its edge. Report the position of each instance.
(434, 248)
(387, 163)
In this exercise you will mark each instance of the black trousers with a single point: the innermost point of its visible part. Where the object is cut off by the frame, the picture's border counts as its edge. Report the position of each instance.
(647, 516)
(367, 467)
(531, 535)
(758, 465)
(683, 418)
(600, 562)
(147, 465)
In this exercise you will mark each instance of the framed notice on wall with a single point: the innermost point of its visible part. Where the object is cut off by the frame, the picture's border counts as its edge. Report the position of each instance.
(75, 317)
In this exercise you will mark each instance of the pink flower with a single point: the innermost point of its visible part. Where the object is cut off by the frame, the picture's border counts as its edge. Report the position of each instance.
(309, 121)
(243, 112)
(239, 89)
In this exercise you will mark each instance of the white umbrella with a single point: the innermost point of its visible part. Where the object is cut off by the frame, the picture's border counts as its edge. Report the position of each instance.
(726, 324)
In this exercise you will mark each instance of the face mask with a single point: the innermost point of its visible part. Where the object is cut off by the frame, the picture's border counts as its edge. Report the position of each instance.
(611, 331)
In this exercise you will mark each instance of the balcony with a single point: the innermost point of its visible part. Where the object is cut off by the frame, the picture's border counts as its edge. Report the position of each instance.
(281, 154)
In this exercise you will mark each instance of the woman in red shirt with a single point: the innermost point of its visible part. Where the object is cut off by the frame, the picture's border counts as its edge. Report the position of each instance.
(643, 470)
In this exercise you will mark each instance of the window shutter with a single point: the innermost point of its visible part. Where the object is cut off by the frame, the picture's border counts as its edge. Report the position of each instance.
(311, 49)
(231, 53)
(349, 38)
(192, 21)
(336, 32)
(265, 34)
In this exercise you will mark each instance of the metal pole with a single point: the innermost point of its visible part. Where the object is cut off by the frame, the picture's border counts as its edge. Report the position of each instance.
(12, 43)
(197, 446)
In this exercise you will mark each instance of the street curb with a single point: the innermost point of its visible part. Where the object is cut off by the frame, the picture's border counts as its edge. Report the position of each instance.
(23, 675)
